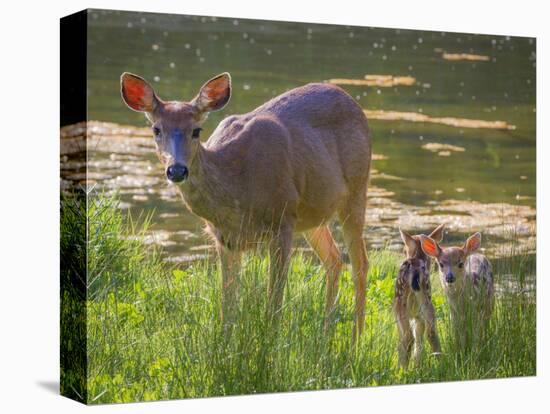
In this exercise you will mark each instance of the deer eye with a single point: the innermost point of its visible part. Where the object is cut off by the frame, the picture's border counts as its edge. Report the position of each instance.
(156, 131)
(461, 265)
(196, 132)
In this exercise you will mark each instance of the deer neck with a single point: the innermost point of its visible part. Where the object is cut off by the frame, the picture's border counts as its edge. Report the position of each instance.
(205, 191)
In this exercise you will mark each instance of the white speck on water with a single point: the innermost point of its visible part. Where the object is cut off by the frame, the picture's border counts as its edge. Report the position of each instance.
(378, 91)
(375, 45)
(421, 138)
(494, 108)
(227, 45)
(517, 157)
(523, 177)
(143, 20)
(235, 22)
(507, 38)
(252, 40)
(394, 48)
(156, 78)
(201, 59)
(473, 97)
(494, 42)
(528, 81)
(246, 87)
(530, 41)
(130, 25)
(384, 57)
(420, 40)
(165, 34)
(187, 45)
(172, 65)
(351, 35)
(365, 93)
(358, 97)
(460, 94)
(269, 52)
(155, 47)
(420, 110)
(245, 35)
(417, 92)
(410, 68)
(415, 47)
(198, 52)
(309, 30)
(392, 131)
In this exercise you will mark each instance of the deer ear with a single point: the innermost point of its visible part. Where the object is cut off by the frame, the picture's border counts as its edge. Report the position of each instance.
(472, 244)
(214, 94)
(410, 243)
(429, 246)
(137, 93)
(437, 234)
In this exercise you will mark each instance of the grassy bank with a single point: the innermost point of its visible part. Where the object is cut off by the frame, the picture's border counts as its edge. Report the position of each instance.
(154, 331)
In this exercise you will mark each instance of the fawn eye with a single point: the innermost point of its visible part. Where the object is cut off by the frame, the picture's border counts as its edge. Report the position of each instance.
(196, 132)
(156, 131)
(461, 265)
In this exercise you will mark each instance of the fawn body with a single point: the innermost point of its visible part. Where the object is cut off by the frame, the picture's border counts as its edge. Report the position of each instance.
(412, 305)
(288, 166)
(467, 280)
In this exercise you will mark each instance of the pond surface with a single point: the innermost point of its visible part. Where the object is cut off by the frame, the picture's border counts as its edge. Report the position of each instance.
(425, 172)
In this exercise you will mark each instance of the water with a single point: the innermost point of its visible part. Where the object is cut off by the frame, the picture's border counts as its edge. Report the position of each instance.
(411, 186)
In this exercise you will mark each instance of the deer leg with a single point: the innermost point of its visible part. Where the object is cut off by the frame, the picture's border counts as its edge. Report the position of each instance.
(322, 242)
(418, 331)
(230, 262)
(353, 221)
(431, 326)
(405, 335)
(279, 258)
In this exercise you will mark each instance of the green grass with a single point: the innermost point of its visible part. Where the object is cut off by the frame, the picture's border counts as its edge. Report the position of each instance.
(154, 331)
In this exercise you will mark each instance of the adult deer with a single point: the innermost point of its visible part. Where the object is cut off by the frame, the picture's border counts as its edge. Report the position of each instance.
(288, 166)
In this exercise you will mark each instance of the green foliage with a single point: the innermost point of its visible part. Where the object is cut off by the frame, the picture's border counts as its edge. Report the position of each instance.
(154, 331)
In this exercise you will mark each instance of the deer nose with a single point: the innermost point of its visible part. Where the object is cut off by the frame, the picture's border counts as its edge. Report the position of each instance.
(177, 173)
(450, 278)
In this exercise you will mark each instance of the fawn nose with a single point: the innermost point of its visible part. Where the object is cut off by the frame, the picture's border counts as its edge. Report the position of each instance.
(450, 278)
(177, 173)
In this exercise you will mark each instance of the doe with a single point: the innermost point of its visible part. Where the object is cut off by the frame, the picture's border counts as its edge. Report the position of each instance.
(288, 166)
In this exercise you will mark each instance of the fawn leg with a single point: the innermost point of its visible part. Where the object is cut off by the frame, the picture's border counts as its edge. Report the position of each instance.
(279, 258)
(405, 336)
(431, 326)
(230, 262)
(419, 328)
(322, 242)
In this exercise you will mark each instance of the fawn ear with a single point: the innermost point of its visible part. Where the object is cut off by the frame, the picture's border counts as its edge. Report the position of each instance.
(137, 93)
(214, 94)
(472, 244)
(429, 246)
(410, 243)
(437, 234)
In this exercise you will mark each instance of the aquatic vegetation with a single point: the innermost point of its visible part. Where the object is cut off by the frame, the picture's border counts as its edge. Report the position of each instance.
(443, 150)
(383, 81)
(449, 121)
(465, 56)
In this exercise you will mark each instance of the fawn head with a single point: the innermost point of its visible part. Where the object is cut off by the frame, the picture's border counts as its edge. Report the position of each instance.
(176, 125)
(412, 243)
(415, 274)
(450, 259)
